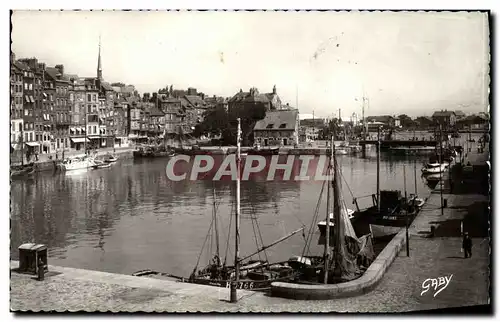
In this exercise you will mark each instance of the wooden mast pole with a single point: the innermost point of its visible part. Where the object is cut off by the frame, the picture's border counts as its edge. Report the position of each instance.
(326, 253)
(234, 285)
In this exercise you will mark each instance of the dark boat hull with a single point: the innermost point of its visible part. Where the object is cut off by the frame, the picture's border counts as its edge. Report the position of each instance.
(23, 172)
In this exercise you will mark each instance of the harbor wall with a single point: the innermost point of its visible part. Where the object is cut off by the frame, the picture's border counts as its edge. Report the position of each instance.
(360, 286)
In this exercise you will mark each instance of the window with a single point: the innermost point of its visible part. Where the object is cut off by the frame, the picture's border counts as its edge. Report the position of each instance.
(89, 108)
(25, 86)
(30, 86)
(89, 97)
(20, 127)
(31, 136)
(270, 126)
(283, 125)
(25, 136)
(25, 112)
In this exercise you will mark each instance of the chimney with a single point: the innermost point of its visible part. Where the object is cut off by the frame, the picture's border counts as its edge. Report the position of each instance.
(274, 89)
(60, 68)
(241, 91)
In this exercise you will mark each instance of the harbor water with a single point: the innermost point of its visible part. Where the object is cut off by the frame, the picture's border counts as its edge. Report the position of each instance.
(131, 217)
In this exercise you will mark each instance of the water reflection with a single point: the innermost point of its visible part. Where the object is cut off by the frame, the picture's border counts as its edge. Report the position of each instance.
(130, 216)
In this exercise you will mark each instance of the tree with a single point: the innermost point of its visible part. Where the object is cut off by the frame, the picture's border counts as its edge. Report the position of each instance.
(218, 121)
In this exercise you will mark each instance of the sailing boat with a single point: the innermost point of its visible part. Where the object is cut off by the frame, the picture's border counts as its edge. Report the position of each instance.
(345, 256)
(254, 275)
(387, 210)
(23, 170)
(79, 162)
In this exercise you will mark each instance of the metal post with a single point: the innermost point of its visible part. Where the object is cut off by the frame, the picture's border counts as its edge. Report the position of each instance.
(440, 165)
(234, 285)
(326, 253)
(406, 210)
(415, 173)
(378, 169)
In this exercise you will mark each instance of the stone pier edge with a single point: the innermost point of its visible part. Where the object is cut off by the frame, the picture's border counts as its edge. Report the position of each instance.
(360, 286)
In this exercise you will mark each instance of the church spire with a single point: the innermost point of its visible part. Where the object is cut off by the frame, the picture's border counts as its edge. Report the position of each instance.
(99, 67)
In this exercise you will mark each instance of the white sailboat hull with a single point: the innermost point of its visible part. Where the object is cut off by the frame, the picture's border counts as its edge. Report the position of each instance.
(437, 169)
(379, 231)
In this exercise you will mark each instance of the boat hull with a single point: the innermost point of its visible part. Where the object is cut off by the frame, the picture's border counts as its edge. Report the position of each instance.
(438, 169)
(379, 231)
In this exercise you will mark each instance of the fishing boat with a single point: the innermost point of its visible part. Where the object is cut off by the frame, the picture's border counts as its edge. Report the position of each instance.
(244, 273)
(77, 163)
(345, 256)
(100, 164)
(109, 158)
(22, 171)
(387, 209)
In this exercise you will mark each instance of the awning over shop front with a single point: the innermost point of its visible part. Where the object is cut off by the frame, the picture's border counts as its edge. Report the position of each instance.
(78, 140)
(32, 143)
(94, 137)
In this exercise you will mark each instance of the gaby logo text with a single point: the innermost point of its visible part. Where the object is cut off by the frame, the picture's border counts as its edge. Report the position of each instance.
(438, 284)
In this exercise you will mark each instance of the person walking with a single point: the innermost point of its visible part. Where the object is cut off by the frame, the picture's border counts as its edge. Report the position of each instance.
(467, 245)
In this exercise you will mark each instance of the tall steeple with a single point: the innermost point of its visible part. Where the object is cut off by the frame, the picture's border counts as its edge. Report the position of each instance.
(99, 67)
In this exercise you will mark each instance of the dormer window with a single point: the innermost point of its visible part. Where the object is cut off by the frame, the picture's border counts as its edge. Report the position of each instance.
(283, 125)
(270, 126)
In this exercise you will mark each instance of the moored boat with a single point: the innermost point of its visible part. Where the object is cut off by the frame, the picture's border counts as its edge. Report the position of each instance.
(109, 158)
(22, 171)
(100, 164)
(77, 163)
(435, 167)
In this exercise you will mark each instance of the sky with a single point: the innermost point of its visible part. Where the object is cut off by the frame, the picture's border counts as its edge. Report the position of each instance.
(403, 62)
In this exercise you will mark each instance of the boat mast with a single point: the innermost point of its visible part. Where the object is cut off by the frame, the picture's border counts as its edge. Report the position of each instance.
(216, 227)
(234, 297)
(326, 253)
(378, 169)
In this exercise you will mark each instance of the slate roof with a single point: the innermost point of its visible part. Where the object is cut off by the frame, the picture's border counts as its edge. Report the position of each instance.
(156, 112)
(21, 66)
(278, 120)
(107, 86)
(195, 100)
(459, 113)
(53, 72)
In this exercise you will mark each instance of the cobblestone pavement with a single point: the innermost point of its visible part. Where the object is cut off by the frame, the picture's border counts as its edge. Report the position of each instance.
(398, 291)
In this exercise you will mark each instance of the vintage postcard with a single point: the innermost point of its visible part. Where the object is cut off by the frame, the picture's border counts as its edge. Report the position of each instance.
(250, 161)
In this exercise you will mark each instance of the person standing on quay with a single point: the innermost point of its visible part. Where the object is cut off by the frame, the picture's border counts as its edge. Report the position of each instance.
(467, 246)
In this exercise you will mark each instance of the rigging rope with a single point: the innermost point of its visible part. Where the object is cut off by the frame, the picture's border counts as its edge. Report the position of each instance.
(350, 191)
(255, 234)
(229, 232)
(311, 229)
(201, 252)
(260, 233)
